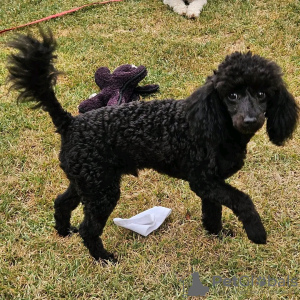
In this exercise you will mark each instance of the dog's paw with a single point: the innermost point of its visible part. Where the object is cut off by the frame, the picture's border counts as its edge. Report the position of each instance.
(193, 10)
(181, 9)
(191, 13)
(178, 6)
(64, 232)
(107, 258)
(222, 233)
(259, 238)
(256, 232)
(214, 229)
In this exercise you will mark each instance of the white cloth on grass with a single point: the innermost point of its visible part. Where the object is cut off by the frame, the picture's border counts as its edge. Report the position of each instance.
(145, 222)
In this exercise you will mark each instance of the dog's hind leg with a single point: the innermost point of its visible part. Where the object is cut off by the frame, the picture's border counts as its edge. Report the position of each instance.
(64, 204)
(97, 209)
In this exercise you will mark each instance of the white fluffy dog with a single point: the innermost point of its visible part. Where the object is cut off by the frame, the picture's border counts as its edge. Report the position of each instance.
(191, 10)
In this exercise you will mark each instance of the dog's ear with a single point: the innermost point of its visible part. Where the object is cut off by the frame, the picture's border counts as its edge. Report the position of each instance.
(207, 115)
(282, 116)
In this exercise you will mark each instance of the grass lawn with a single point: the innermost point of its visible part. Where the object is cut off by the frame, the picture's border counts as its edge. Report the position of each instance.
(35, 263)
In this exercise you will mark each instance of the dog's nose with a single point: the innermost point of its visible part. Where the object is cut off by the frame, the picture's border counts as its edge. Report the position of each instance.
(250, 120)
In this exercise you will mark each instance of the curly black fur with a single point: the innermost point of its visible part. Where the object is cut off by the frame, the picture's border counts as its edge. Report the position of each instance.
(201, 139)
(33, 74)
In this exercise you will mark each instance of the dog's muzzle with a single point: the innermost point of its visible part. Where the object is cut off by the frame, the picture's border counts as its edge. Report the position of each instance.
(247, 124)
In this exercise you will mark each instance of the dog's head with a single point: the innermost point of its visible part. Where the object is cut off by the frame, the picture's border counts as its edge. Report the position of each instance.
(244, 91)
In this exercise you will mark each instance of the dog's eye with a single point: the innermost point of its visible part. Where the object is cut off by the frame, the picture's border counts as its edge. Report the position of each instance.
(261, 95)
(233, 96)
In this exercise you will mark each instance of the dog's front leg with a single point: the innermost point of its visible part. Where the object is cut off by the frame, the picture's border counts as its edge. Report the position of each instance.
(211, 216)
(220, 193)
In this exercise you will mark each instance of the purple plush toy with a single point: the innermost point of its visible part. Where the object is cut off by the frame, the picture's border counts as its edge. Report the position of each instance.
(118, 87)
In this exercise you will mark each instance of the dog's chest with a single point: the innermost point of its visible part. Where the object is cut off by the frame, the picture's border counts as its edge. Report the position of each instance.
(230, 159)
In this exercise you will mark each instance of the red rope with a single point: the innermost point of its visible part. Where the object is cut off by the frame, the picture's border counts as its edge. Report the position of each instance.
(59, 15)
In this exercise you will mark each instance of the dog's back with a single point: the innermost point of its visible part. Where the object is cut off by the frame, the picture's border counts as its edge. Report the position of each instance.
(127, 138)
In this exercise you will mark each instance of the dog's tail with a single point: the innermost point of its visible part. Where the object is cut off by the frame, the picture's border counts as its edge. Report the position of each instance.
(32, 73)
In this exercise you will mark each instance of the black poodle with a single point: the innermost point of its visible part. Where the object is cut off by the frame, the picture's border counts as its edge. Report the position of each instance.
(201, 139)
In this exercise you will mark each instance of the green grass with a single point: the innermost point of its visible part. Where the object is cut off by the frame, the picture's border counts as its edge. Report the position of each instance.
(179, 53)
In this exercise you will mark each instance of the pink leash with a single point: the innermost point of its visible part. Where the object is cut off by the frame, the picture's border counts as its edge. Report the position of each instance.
(58, 15)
